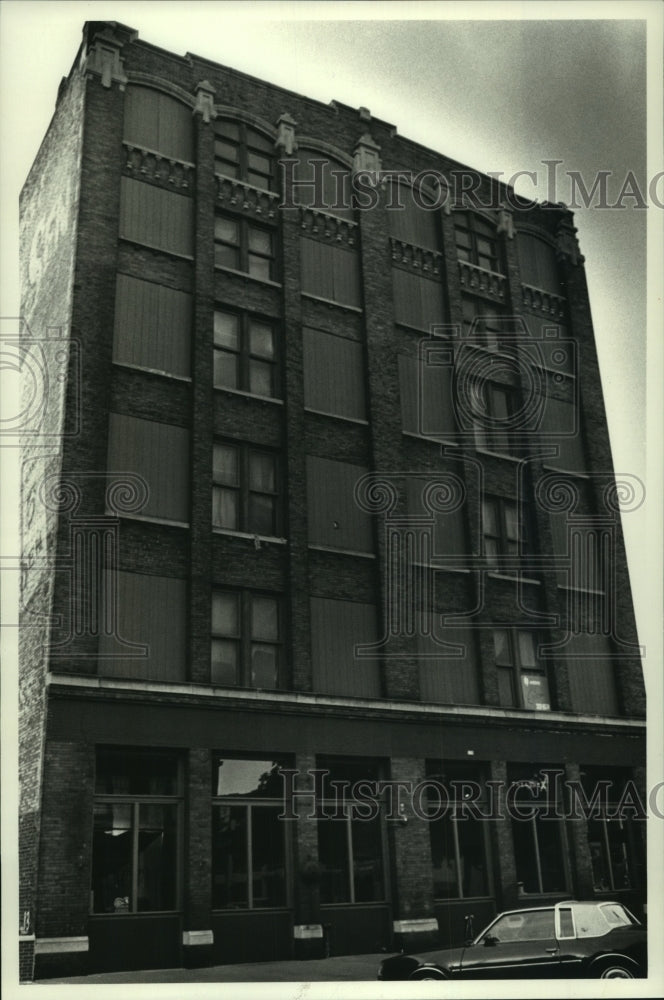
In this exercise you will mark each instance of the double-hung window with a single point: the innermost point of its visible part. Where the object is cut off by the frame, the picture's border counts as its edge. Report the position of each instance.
(243, 153)
(476, 241)
(243, 246)
(504, 529)
(136, 832)
(245, 353)
(245, 491)
(247, 639)
(522, 678)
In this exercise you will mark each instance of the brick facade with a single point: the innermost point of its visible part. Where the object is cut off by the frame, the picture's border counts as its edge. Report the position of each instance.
(85, 708)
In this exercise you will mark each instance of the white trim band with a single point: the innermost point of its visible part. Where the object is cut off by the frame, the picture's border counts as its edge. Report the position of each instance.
(61, 945)
(307, 932)
(425, 925)
(191, 938)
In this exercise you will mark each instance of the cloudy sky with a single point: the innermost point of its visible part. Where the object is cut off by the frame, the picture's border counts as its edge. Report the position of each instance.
(496, 94)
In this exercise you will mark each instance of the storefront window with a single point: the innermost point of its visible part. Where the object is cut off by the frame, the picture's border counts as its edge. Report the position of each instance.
(135, 832)
(249, 846)
(350, 842)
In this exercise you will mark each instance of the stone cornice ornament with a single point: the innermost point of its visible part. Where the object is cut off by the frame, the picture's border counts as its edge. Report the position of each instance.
(505, 222)
(366, 156)
(285, 140)
(103, 57)
(205, 101)
(567, 245)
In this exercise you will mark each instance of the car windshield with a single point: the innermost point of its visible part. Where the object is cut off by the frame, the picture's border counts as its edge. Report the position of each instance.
(526, 925)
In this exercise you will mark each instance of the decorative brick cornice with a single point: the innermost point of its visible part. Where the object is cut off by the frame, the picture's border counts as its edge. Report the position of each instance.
(479, 281)
(328, 228)
(414, 258)
(239, 196)
(149, 165)
(540, 301)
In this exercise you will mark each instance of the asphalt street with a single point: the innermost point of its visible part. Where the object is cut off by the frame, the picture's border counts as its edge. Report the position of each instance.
(345, 968)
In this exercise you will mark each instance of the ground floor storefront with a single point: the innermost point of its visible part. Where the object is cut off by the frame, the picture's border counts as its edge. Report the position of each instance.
(182, 830)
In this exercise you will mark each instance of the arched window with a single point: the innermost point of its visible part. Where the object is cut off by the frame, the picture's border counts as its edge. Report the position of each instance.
(244, 153)
(476, 241)
(158, 122)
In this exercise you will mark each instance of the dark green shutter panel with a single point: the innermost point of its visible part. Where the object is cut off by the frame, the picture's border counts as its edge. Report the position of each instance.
(334, 518)
(591, 674)
(446, 679)
(538, 264)
(449, 532)
(413, 224)
(333, 374)
(152, 326)
(418, 302)
(561, 426)
(427, 406)
(158, 122)
(151, 611)
(157, 218)
(329, 272)
(336, 628)
(160, 454)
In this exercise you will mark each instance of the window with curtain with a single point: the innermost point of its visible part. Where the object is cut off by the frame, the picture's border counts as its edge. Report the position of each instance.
(247, 639)
(245, 353)
(246, 490)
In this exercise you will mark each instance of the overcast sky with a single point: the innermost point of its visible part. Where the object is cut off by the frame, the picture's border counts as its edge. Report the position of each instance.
(498, 95)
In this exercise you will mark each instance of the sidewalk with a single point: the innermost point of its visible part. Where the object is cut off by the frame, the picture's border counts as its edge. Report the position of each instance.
(344, 968)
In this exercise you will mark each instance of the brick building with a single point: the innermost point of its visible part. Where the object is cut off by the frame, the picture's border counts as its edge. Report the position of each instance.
(311, 482)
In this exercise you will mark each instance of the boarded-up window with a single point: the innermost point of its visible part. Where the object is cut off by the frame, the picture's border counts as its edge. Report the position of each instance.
(448, 674)
(330, 272)
(561, 427)
(448, 525)
(413, 223)
(425, 385)
(418, 302)
(335, 520)
(537, 260)
(582, 553)
(160, 454)
(337, 627)
(333, 374)
(151, 612)
(158, 122)
(157, 218)
(591, 674)
(152, 326)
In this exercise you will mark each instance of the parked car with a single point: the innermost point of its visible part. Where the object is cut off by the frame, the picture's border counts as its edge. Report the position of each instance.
(588, 940)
